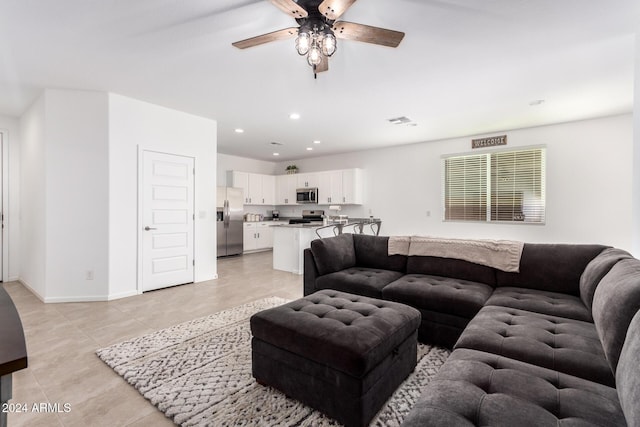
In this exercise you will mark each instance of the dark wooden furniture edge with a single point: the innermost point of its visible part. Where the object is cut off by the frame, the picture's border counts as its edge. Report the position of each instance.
(13, 348)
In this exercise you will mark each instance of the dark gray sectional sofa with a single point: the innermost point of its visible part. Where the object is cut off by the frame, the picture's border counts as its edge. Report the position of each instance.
(557, 343)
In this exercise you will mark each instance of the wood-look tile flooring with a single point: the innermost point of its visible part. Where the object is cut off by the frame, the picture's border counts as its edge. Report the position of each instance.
(62, 340)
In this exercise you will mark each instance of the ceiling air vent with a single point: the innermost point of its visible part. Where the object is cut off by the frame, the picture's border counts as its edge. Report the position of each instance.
(402, 121)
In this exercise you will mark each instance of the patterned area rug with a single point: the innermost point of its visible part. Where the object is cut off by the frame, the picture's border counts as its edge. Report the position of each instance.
(198, 373)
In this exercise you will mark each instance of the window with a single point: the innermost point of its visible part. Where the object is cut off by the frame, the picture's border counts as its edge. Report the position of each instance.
(507, 186)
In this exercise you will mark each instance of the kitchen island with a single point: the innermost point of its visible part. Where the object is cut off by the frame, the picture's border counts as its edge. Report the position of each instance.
(290, 240)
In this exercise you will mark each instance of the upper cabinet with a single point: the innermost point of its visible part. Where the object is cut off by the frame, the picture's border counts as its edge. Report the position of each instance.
(338, 187)
(307, 180)
(330, 187)
(258, 189)
(341, 187)
(268, 190)
(352, 187)
(286, 186)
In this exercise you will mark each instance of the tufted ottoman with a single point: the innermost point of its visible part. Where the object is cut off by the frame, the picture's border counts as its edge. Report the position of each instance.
(339, 353)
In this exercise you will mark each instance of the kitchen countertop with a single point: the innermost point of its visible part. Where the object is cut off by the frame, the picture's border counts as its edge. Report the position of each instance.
(318, 224)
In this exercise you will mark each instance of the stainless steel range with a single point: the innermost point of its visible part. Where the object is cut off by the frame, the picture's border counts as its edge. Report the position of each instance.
(308, 217)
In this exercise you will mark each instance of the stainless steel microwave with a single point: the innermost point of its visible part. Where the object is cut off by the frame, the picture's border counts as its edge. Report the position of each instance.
(307, 195)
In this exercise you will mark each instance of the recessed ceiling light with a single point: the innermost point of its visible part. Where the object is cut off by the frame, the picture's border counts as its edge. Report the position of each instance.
(276, 154)
(294, 116)
(238, 130)
(316, 142)
(309, 148)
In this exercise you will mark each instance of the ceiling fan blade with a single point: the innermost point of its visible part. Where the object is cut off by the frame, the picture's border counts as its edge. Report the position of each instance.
(290, 8)
(367, 34)
(266, 38)
(333, 9)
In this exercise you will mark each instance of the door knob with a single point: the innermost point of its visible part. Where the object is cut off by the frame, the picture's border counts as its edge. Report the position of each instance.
(147, 228)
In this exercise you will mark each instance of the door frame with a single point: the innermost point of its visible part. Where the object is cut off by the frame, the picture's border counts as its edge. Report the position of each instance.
(4, 146)
(140, 220)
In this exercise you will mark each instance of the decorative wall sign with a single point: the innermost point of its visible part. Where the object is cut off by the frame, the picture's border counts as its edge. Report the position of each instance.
(489, 142)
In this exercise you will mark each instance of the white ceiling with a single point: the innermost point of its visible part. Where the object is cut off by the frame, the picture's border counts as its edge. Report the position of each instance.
(465, 66)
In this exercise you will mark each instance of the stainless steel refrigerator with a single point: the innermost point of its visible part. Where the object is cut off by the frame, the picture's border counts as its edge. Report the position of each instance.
(230, 217)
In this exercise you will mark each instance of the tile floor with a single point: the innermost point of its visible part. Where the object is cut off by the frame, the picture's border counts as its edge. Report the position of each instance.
(62, 340)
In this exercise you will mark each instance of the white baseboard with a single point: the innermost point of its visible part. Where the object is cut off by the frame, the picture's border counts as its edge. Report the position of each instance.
(33, 291)
(91, 298)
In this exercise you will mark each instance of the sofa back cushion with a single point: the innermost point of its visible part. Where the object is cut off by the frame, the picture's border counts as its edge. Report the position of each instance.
(372, 252)
(334, 253)
(596, 270)
(615, 302)
(551, 267)
(452, 268)
(628, 374)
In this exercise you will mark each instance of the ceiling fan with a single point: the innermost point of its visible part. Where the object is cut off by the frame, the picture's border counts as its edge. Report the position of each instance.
(319, 28)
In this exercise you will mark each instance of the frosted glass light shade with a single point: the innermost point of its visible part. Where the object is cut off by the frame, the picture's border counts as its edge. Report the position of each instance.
(303, 43)
(315, 56)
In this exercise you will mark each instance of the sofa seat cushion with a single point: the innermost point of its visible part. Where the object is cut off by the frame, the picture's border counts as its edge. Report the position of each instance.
(545, 302)
(474, 388)
(358, 280)
(565, 345)
(440, 294)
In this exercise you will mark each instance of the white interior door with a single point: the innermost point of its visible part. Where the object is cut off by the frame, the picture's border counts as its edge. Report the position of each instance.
(167, 220)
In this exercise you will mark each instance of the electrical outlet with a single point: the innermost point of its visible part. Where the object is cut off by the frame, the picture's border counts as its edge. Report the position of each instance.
(88, 275)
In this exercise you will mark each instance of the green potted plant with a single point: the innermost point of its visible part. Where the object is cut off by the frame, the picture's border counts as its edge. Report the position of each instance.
(292, 169)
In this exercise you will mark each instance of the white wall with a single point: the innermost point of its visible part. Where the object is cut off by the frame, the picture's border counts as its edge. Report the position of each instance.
(64, 202)
(10, 128)
(32, 198)
(138, 125)
(636, 154)
(589, 184)
(227, 162)
(77, 203)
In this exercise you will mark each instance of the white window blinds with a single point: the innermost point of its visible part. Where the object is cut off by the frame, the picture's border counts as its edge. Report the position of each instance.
(497, 186)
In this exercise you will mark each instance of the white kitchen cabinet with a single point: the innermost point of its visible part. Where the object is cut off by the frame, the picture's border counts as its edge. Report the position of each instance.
(249, 237)
(257, 236)
(269, 190)
(286, 189)
(239, 180)
(255, 189)
(307, 180)
(341, 187)
(258, 189)
(330, 187)
(352, 187)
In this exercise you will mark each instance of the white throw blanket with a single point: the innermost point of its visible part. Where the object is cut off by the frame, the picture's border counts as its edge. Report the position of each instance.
(500, 254)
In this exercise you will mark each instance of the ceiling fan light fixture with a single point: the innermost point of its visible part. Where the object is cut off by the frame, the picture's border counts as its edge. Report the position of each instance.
(329, 43)
(315, 56)
(303, 42)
